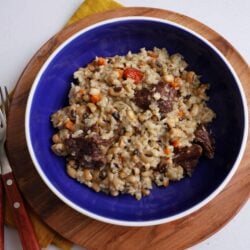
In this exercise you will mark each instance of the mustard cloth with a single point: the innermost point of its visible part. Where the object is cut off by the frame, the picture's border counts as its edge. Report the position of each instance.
(46, 235)
(89, 7)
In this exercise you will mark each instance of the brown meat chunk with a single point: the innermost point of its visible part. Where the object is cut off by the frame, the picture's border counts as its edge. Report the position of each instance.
(188, 157)
(143, 98)
(167, 97)
(162, 166)
(206, 140)
(85, 151)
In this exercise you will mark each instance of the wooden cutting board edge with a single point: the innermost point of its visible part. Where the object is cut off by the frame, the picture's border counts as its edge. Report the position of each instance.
(20, 97)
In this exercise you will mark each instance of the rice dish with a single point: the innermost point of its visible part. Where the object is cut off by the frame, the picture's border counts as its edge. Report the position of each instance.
(134, 121)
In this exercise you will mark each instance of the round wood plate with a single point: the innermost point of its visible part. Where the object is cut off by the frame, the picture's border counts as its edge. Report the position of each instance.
(92, 234)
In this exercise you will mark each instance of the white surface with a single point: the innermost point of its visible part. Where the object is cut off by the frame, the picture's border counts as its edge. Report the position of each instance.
(25, 25)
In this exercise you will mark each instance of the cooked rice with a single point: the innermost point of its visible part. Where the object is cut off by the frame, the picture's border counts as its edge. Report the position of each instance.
(135, 143)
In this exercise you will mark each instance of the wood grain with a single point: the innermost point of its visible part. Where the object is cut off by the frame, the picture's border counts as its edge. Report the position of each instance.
(92, 234)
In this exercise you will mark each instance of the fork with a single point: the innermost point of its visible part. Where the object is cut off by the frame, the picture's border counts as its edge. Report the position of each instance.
(19, 212)
(1, 213)
(1, 191)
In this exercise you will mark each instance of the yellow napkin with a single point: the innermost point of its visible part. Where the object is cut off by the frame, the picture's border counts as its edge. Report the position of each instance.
(89, 7)
(46, 235)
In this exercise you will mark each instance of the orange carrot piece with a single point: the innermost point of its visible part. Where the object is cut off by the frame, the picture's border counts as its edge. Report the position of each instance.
(167, 151)
(152, 54)
(134, 74)
(101, 61)
(180, 114)
(120, 72)
(175, 143)
(174, 84)
(95, 98)
(80, 92)
(69, 125)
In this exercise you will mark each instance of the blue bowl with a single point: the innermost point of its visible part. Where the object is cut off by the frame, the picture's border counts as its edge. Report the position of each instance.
(116, 37)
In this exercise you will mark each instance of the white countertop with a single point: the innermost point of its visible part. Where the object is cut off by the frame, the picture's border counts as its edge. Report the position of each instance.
(26, 25)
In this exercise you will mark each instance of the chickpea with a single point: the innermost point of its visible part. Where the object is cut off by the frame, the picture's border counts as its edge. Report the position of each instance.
(115, 91)
(59, 149)
(195, 110)
(132, 179)
(71, 171)
(92, 107)
(94, 91)
(190, 76)
(96, 187)
(168, 78)
(56, 138)
(87, 175)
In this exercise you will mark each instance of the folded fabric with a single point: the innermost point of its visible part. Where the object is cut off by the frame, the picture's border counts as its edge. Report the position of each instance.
(89, 7)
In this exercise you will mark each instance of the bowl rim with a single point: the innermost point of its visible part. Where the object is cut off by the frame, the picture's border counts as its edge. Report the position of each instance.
(118, 221)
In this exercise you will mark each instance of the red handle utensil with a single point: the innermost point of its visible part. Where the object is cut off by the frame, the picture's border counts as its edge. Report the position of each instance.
(22, 220)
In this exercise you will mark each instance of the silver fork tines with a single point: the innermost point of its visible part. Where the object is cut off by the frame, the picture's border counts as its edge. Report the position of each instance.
(2, 122)
(4, 104)
(7, 101)
(4, 100)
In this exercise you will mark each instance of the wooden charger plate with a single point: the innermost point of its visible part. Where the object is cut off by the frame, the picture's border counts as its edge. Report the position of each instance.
(93, 234)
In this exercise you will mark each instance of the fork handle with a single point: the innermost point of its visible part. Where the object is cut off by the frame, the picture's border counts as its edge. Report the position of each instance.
(1, 216)
(19, 212)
